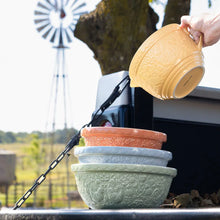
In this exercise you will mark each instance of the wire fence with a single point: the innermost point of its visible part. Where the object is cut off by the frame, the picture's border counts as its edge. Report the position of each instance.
(52, 194)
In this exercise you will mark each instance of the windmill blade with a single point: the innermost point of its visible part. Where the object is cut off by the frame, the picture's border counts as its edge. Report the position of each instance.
(72, 28)
(80, 13)
(69, 40)
(37, 21)
(61, 4)
(47, 32)
(75, 19)
(67, 2)
(52, 39)
(39, 29)
(80, 6)
(56, 5)
(73, 3)
(48, 1)
(43, 6)
(73, 24)
(40, 13)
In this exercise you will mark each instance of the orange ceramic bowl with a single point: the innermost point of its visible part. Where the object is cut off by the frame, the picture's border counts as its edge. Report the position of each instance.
(125, 137)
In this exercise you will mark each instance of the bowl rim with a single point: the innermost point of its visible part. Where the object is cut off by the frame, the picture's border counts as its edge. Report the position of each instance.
(122, 151)
(128, 168)
(127, 132)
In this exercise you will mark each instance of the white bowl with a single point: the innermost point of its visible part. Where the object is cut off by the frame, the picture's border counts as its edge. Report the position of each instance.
(122, 155)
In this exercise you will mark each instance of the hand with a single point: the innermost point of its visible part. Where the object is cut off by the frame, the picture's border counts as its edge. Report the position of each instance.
(206, 24)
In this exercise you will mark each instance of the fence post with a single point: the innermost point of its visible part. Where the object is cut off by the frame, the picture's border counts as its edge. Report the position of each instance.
(50, 193)
(15, 192)
(63, 186)
(6, 195)
(35, 198)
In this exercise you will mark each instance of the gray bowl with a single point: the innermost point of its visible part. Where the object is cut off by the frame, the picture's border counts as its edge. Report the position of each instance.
(121, 186)
(122, 155)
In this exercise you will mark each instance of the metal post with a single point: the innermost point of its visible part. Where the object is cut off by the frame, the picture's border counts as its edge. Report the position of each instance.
(6, 195)
(15, 192)
(50, 193)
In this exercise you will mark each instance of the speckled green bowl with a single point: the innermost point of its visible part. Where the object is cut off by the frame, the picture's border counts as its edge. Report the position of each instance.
(121, 186)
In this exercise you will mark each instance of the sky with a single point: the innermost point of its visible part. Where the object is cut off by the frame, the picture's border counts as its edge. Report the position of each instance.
(27, 63)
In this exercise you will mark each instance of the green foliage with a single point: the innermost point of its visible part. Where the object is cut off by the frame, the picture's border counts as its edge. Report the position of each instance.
(2, 136)
(10, 137)
(36, 154)
(7, 137)
(61, 136)
(81, 142)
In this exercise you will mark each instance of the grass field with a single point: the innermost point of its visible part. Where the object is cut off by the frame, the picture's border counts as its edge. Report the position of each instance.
(56, 184)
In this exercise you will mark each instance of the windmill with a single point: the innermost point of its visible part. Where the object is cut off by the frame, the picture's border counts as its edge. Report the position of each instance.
(55, 20)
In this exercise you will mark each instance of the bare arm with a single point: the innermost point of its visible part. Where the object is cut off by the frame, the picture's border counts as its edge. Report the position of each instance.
(206, 24)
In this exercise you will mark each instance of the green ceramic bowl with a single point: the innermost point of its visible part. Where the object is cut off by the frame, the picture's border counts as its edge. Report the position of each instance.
(121, 186)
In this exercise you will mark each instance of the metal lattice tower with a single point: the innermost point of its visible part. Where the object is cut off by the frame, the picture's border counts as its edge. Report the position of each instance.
(55, 20)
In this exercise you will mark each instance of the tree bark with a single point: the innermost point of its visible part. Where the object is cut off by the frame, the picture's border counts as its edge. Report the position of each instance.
(174, 10)
(115, 30)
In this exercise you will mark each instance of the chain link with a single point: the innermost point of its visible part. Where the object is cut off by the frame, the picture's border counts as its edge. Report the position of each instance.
(74, 141)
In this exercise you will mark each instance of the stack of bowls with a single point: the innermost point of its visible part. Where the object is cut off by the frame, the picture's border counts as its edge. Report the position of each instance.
(123, 168)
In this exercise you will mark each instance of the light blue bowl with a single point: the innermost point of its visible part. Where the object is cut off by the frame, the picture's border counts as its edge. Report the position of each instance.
(122, 155)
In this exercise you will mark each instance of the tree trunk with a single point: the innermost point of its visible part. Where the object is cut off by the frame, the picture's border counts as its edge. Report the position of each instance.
(174, 10)
(115, 30)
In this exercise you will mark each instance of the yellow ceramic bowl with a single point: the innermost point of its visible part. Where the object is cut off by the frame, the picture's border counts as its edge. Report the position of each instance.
(169, 64)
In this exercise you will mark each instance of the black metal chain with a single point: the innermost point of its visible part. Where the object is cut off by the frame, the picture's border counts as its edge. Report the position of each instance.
(73, 141)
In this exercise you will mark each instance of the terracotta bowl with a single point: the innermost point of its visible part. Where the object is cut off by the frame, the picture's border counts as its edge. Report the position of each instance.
(122, 155)
(124, 137)
(122, 186)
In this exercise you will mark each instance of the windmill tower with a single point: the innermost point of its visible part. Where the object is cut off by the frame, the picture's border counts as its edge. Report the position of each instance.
(55, 20)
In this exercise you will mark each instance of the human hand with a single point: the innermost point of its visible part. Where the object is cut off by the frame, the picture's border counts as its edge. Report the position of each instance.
(207, 25)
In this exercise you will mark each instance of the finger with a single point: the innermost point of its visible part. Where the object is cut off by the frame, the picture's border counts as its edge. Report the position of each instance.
(195, 35)
(185, 21)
